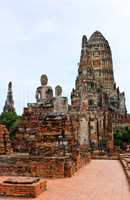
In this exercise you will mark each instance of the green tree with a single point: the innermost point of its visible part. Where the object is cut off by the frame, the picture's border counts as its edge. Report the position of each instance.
(10, 120)
(122, 138)
(126, 135)
(118, 138)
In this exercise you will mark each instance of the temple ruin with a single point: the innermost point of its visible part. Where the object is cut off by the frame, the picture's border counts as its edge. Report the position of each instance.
(55, 139)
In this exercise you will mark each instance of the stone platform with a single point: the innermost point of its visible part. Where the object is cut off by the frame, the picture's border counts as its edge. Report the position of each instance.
(22, 186)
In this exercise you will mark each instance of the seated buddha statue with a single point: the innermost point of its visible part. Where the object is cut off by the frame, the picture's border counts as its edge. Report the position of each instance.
(44, 93)
(60, 102)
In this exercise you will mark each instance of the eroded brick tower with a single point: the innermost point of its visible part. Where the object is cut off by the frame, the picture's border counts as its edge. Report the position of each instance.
(96, 74)
(95, 97)
(101, 58)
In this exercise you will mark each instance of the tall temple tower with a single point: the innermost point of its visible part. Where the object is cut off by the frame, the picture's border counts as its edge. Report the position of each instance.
(96, 74)
(97, 49)
(9, 103)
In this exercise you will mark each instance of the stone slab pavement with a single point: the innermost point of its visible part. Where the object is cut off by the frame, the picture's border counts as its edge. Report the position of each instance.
(99, 180)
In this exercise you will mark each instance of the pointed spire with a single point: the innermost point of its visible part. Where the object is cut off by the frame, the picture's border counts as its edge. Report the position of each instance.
(9, 103)
(83, 48)
(84, 41)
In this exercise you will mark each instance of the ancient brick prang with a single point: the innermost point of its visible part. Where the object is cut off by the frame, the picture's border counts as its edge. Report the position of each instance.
(95, 96)
(95, 76)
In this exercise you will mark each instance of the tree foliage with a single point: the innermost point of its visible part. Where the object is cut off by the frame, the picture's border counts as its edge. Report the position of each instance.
(122, 138)
(10, 120)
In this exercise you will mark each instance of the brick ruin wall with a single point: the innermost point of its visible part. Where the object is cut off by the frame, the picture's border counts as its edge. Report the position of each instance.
(25, 165)
(5, 143)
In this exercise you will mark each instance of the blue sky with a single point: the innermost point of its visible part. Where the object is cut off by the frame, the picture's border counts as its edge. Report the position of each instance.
(44, 37)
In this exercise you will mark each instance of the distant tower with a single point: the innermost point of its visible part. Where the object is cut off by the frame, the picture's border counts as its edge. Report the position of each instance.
(9, 103)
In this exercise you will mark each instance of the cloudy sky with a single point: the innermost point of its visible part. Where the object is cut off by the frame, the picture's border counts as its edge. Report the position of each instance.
(44, 36)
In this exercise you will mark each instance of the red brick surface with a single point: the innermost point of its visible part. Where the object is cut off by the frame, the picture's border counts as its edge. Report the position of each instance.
(100, 180)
